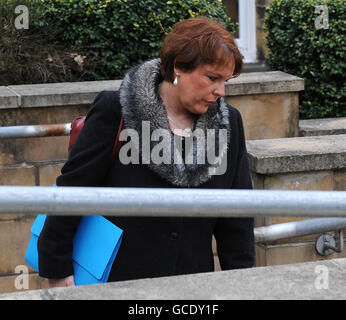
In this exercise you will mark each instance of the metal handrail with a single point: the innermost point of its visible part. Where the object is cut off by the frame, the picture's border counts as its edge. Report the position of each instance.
(298, 228)
(187, 203)
(48, 130)
(171, 202)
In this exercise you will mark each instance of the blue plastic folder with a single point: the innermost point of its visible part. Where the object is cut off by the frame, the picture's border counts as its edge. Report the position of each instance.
(95, 246)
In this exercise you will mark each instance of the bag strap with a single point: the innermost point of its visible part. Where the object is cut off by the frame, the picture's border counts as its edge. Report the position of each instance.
(117, 144)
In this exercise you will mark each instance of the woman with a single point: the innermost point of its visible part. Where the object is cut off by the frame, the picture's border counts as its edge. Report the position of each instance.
(182, 92)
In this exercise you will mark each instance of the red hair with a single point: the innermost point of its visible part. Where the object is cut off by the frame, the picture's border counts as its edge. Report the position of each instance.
(197, 41)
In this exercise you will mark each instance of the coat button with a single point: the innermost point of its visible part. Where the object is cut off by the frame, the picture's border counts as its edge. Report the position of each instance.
(174, 236)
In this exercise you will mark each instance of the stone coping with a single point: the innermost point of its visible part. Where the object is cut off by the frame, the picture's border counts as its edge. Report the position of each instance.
(264, 82)
(77, 93)
(53, 94)
(321, 280)
(270, 156)
(318, 127)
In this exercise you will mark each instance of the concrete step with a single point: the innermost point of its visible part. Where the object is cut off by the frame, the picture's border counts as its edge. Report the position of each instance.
(298, 154)
(318, 127)
(321, 280)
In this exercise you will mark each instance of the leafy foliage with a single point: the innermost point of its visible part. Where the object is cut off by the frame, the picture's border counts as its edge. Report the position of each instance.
(106, 37)
(33, 55)
(298, 47)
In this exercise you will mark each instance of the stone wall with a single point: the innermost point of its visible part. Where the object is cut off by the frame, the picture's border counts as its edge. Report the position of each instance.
(268, 103)
(301, 163)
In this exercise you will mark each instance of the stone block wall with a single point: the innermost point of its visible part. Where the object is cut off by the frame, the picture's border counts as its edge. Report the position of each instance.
(28, 162)
(15, 229)
(272, 115)
(268, 103)
(302, 163)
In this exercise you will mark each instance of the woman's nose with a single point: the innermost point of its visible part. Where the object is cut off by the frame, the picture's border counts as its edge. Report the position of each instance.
(220, 90)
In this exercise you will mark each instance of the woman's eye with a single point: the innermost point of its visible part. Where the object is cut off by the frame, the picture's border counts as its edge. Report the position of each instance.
(212, 78)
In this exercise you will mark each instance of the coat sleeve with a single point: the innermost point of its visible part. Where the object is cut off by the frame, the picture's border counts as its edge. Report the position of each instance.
(235, 236)
(90, 160)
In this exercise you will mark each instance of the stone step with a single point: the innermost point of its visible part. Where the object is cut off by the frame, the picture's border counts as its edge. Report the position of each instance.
(297, 154)
(305, 281)
(318, 127)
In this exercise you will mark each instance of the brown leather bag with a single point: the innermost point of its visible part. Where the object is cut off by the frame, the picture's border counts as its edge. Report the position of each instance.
(77, 125)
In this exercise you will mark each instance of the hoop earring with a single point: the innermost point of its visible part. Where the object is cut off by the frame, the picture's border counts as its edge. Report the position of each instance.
(175, 82)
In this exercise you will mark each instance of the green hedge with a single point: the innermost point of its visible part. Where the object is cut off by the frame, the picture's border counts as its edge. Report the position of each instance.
(297, 46)
(34, 55)
(107, 37)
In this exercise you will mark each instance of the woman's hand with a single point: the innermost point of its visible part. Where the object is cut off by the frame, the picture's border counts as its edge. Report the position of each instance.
(63, 282)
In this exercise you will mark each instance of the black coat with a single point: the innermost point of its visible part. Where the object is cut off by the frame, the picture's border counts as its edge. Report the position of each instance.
(152, 246)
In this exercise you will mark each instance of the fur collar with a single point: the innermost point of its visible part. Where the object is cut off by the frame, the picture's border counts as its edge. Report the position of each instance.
(140, 101)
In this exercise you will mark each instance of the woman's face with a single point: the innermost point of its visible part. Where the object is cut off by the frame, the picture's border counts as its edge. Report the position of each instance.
(199, 89)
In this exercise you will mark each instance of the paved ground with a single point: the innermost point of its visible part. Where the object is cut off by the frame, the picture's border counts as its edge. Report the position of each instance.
(304, 281)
